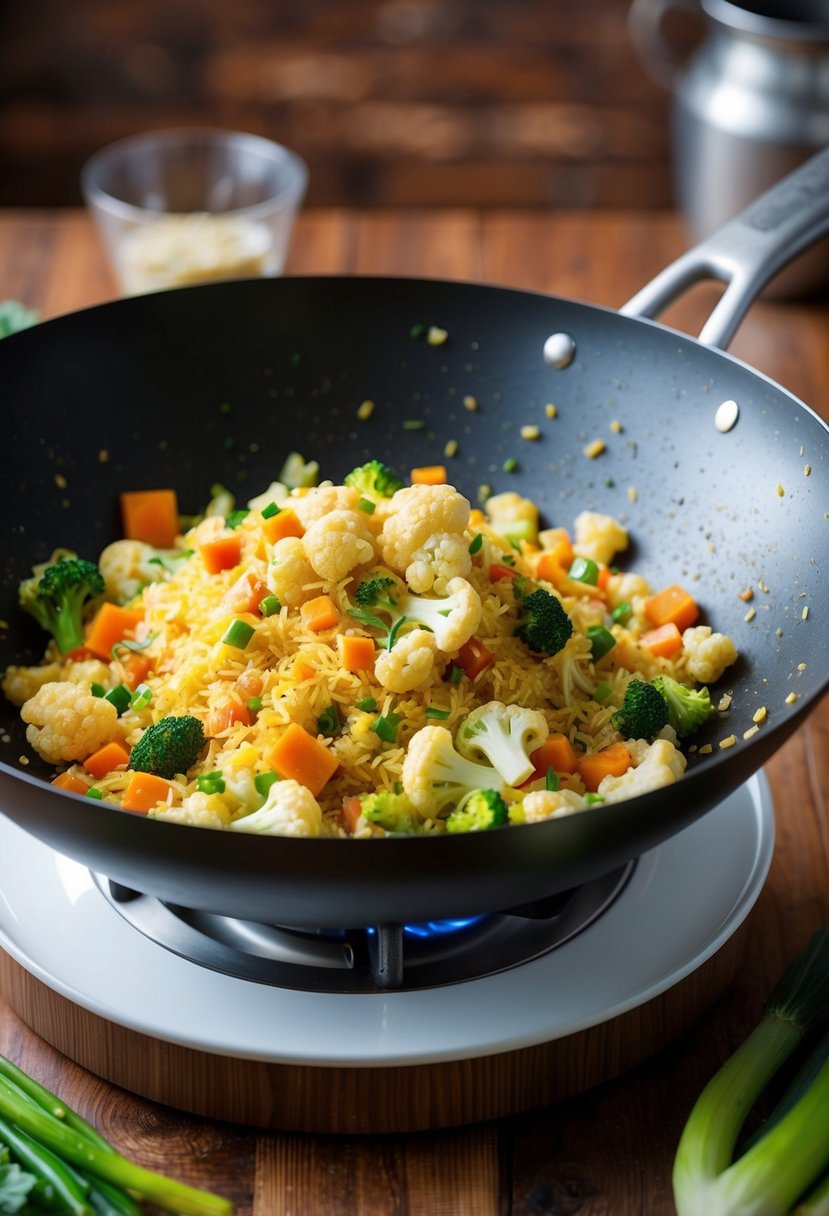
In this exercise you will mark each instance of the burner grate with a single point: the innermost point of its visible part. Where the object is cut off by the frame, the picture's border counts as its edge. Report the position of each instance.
(379, 959)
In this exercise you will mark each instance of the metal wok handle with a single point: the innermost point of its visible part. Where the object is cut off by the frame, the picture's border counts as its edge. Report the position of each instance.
(747, 251)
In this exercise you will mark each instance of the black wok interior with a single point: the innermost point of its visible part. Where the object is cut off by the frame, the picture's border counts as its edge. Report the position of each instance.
(217, 384)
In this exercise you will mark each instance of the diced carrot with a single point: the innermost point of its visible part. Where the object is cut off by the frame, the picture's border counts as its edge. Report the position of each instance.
(558, 546)
(351, 812)
(223, 553)
(557, 753)
(249, 683)
(110, 625)
(151, 516)
(474, 657)
(428, 475)
(664, 642)
(319, 613)
(672, 605)
(498, 572)
(136, 668)
(604, 576)
(553, 572)
(111, 756)
(612, 761)
(246, 594)
(549, 566)
(224, 715)
(303, 670)
(79, 655)
(299, 756)
(476, 517)
(143, 791)
(68, 781)
(356, 654)
(284, 523)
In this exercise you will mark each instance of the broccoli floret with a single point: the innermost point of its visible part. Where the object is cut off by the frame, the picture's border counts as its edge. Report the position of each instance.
(452, 618)
(503, 735)
(56, 596)
(374, 593)
(374, 479)
(643, 714)
(170, 746)
(688, 707)
(390, 811)
(481, 810)
(544, 626)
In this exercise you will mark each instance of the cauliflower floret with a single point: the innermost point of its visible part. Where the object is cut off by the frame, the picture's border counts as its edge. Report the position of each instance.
(238, 773)
(409, 664)
(290, 809)
(21, 683)
(628, 588)
(441, 560)
(338, 542)
(197, 810)
(314, 504)
(126, 567)
(452, 618)
(67, 724)
(707, 654)
(598, 536)
(513, 517)
(417, 516)
(549, 804)
(661, 764)
(289, 571)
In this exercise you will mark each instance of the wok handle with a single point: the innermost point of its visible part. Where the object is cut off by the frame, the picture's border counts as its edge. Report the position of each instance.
(747, 251)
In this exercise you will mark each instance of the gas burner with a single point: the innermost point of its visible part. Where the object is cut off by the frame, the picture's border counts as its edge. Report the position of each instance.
(386, 957)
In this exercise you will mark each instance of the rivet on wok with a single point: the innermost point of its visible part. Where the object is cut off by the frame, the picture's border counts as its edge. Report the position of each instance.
(559, 350)
(726, 416)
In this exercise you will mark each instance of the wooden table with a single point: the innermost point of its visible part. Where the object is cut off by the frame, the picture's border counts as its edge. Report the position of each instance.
(610, 1150)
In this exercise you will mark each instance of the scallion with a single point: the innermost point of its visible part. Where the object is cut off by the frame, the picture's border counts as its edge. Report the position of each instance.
(328, 723)
(791, 1153)
(551, 779)
(119, 696)
(510, 465)
(270, 510)
(365, 504)
(601, 640)
(142, 696)
(456, 675)
(602, 693)
(584, 570)
(211, 783)
(439, 715)
(238, 634)
(366, 704)
(263, 781)
(92, 792)
(413, 424)
(235, 518)
(621, 613)
(254, 704)
(269, 606)
(476, 543)
(385, 727)
(97, 690)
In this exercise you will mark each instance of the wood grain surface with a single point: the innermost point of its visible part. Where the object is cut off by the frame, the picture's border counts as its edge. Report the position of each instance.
(611, 1149)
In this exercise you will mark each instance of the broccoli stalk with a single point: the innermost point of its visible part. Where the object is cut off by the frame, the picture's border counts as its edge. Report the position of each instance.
(504, 735)
(392, 812)
(544, 625)
(688, 708)
(479, 811)
(643, 713)
(57, 597)
(170, 746)
(374, 480)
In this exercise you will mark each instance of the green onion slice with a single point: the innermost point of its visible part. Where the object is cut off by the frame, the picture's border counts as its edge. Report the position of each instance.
(385, 727)
(211, 783)
(263, 782)
(584, 570)
(239, 634)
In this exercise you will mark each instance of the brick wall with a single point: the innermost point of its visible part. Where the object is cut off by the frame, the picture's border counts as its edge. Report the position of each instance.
(391, 102)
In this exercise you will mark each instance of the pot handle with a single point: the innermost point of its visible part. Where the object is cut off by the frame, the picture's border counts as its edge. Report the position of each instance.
(746, 252)
(660, 58)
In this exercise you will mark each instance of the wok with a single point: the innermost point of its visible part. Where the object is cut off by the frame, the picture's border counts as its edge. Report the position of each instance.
(149, 381)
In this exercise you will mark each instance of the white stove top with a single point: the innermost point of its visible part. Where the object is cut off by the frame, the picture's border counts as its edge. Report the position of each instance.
(684, 900)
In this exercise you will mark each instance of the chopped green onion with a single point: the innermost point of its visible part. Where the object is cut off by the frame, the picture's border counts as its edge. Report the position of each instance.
(551, 779)
(254, 704)
(508, 559)
(584, 570)
(328, 723)
(92, 792)
(456, 675)
(270, 510)
(235, 518)
(432, 711)
(142, 696)
(238, 634)
(601, 640)
(211, 783)
(593, 799)
(224, 407)
(621, 613)
(484, 493)
(97, 690)
(270, 605)
(417, 331)
(170, 561)
(510, 465)
(413, 424)
(365, 504)
(263, 782)
(791, 1153)
(476, 543)
(385, 727)
(366, 704)
(602, 692)
(119, 696)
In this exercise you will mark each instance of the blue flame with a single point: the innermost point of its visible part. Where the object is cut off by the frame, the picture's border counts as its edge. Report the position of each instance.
(441, 928)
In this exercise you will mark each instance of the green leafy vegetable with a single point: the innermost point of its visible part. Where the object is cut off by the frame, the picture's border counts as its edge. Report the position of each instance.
(170, 746)
(56, 595)
(15, 317)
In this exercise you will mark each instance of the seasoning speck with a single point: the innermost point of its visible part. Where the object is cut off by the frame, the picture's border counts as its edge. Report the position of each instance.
(510, 465)
(807, 470)
(752, 730)
(800, 666)
(728, 741)
(791, 698)
(551, 410)
(594, 449)
(24, 760)
(746, 596)
(451, 448)
(780, 491)
(470, 403)
(60, 481)
(365, 410)
(484, 492)
(436, 336)
(760, 714)
(616, 427)
(633, 494)
(103, 455)
(706, 749)
(750, 615)
(413, 424)
(805, 612)
(530, 432)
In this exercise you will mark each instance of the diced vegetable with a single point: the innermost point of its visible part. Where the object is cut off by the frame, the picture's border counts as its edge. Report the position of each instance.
(474, 657)
(238, 634)
(498, 571)
(223, 553)
(556, 752)
(299, 756)
(584, 570)
(319, 613)
(356, 653)
(429, 475)
(665, 641)
(110, 625)
(68, 781)
(111, 756)
(151, 516)
(221, 717)
(673, 605)
(612, 761)
(136, 668)
(144, 791)
(283, 523)
(303, 670)
(351, 811)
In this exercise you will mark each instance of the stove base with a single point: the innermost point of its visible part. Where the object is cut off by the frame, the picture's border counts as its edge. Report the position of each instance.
(362, 1100)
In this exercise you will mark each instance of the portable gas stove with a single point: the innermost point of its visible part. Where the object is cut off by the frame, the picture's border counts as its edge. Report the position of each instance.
(393, 1029)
